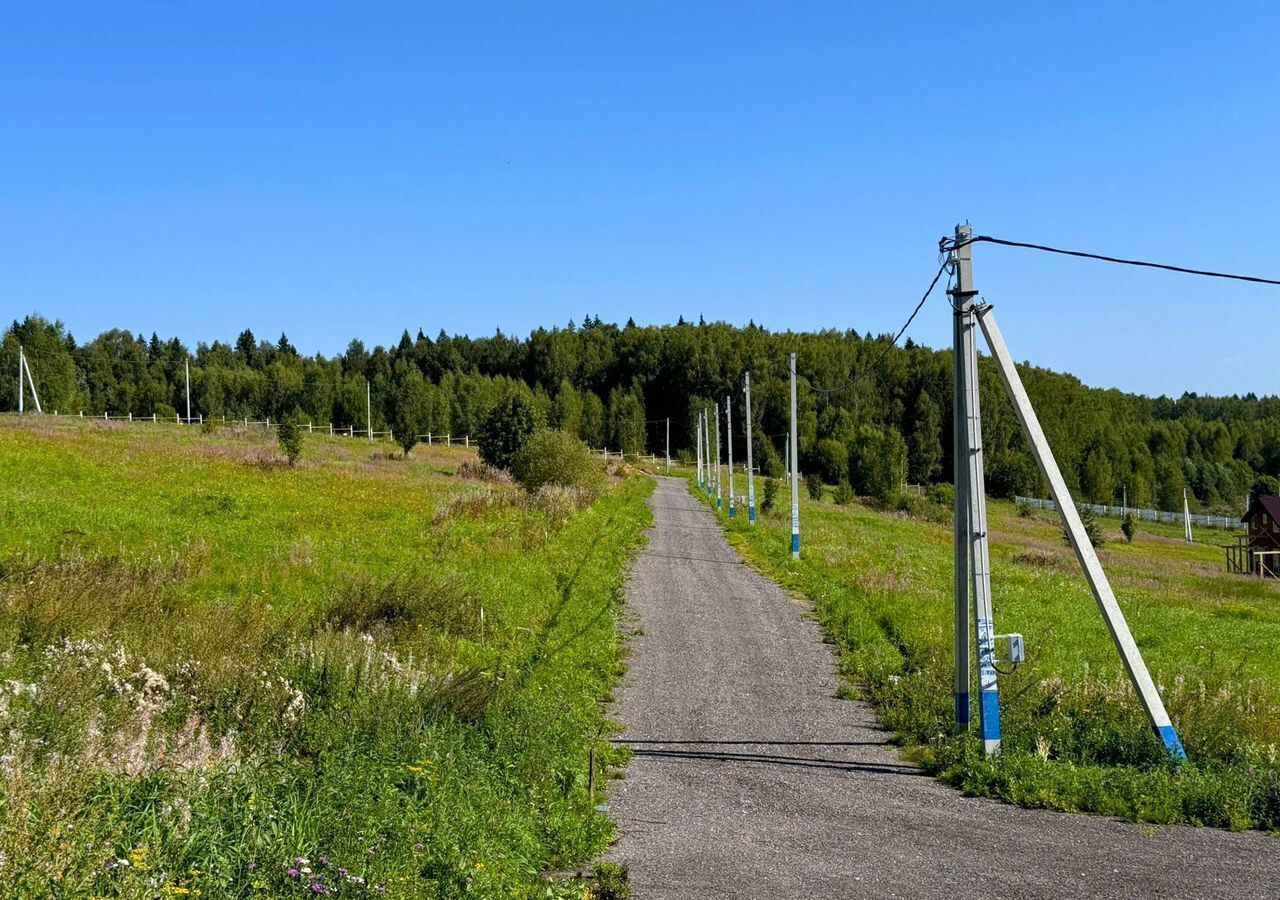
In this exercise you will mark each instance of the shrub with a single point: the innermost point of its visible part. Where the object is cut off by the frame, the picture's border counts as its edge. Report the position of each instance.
(771, 486)
(843, 494)
(831, 460)
(164, 411)
(1128, 527)
(943, 494)
(878, 462)
(813, 484)
(290, 437)
(557, 457)
(507, 429)
(1091, 529)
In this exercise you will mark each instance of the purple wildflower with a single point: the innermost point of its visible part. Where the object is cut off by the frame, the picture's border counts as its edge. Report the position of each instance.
(293, 873)
(318, 887)
(324, 860)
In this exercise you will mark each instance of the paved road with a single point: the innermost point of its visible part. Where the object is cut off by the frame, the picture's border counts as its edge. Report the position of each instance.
(751, 780)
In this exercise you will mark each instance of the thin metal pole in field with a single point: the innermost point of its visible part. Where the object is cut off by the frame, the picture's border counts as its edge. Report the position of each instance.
(21, 390)
(368, 407)
(187, 365)
(751, 479)
(975, 494)
(728, 429)
(1087, 556)
(794, 474)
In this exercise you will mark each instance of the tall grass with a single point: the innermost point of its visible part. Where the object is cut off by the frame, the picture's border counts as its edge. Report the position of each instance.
(352, 677)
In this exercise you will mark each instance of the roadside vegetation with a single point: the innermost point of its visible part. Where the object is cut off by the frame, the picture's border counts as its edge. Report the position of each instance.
(1075, 737)
(228, 669)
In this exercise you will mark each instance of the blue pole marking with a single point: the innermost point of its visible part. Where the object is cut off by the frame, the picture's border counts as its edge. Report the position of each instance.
(989, 706)
(731, 510)
(751, 513)
(1169, 735)
(795, 544)
(962, 710)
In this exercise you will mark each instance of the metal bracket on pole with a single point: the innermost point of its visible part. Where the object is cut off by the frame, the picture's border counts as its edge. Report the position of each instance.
(1088, 558)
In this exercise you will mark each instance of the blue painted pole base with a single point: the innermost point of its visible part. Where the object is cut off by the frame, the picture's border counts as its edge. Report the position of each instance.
(751, 514)
(795, 545)
(962, 710)
(1170, 738)
(732, 511)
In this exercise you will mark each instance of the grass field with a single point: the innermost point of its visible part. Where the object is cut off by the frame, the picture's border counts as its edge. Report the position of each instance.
(1074, 735)
(225, 677)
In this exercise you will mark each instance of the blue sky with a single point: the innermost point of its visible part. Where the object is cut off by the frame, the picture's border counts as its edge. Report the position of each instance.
(339, 170)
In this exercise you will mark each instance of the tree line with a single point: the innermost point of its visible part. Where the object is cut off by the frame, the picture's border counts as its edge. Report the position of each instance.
(869, 411)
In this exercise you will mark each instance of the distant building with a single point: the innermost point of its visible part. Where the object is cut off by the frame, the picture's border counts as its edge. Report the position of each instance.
(1257, 552)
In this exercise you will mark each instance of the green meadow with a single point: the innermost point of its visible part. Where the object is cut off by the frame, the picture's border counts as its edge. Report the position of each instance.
(1075, 737)
(221, 676)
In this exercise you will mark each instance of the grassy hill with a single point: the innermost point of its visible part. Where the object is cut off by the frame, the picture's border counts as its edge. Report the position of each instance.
(228, 677)
(1075, 737)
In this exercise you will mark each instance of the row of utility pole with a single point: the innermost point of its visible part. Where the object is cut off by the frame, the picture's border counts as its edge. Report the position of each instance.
(707, 449)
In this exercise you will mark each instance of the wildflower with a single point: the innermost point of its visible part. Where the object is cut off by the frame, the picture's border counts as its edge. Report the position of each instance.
(318, 888)
(342, 873)
(381, 889)
(324, 860)
(293, 873)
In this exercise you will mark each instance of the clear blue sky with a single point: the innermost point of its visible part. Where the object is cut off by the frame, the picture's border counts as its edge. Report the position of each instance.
(353, 170)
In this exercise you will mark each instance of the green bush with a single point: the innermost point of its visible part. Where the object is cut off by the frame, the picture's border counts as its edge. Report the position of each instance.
(878, 462)
(507, 429)
(843, 494)
(813, 484)
(558, 458)
(771, 486)
(943, 494)
(831, 460)
(1128, 527)
(290, 437)
(1091, 528)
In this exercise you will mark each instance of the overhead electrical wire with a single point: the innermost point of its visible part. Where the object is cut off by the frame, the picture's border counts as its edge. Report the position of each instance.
(853, 382)
(946, 245)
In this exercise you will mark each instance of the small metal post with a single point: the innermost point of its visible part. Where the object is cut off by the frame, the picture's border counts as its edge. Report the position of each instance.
(751, 479)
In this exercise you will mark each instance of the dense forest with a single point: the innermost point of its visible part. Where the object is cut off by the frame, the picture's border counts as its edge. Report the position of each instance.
(616, 385)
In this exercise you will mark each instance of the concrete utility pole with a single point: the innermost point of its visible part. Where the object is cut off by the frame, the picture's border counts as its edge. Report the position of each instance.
(697, 445)
(187, 365)
(368, 407)
(751, 478)
(960, 526)
(1080, 543)
(21, 391)
(794, 475)
(728, 428)
(975, 509)
(668, 445)
(719, 485)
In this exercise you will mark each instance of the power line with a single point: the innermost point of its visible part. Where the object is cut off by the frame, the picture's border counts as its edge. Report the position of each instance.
(948, 244)
(852, 382)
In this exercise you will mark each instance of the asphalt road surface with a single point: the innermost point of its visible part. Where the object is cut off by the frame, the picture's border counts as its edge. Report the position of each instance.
(752, 780)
